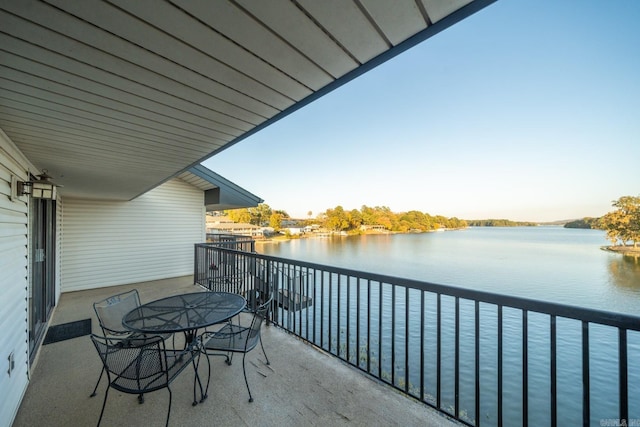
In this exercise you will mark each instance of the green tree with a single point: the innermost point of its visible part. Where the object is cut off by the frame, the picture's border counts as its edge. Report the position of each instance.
(282, 213)
(368, 215)
(260, 214)
(336, 219)
(355, 219)
(239, 215)
(379, 215)
(275, 220)
(623, 224)
(415, 220)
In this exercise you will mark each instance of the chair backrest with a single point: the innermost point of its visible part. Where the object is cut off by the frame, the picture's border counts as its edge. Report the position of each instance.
(259, 314)
(110, 311)
(133, 365)
(258, 296)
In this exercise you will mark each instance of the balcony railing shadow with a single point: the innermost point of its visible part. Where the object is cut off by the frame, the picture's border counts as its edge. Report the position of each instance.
(302, 386)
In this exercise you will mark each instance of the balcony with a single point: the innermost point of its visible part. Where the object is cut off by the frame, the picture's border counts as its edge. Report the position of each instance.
(355, 347)
(302, 386)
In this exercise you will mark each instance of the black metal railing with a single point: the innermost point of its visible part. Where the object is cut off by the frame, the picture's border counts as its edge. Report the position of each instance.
(482, 358)
(222, 271)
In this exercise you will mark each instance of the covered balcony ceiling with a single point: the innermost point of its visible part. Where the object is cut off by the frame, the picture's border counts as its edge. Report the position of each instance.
(115, 97)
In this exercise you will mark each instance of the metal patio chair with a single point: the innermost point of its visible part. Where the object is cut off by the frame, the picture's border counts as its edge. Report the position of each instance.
(225, 278)
(138, 366)
(110, 312)
(237, 338)
(259, 295)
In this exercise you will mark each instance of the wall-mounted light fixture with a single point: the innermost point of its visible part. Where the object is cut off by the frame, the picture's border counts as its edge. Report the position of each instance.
(41, 188)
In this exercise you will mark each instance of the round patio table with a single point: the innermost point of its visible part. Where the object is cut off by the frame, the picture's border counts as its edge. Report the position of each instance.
(184, 313)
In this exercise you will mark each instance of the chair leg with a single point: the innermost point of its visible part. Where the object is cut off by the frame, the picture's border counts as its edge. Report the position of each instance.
(196, 381)
(104, 403)
(264, 352)
(98, 383)
(206, 390)
(244, 370)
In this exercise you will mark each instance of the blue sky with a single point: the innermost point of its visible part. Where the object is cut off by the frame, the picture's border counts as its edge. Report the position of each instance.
(527, 110)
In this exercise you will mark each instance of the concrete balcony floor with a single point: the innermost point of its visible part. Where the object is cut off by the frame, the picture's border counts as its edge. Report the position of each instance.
(302, 386)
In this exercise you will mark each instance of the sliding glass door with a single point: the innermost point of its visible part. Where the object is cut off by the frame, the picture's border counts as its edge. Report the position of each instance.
(42, 268)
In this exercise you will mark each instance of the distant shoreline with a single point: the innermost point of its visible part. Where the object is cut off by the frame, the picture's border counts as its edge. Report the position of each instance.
(336, 234)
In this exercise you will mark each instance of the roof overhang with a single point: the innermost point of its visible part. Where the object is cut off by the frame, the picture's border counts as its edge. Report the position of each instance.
(115, 97)
(219, 193)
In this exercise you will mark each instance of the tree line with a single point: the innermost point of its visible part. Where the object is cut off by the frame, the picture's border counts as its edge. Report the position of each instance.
(621, 225)
(339, 219)
(586, 222)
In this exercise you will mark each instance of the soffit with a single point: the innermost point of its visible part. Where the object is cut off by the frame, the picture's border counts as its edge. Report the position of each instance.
(115, 97)
(228, 195)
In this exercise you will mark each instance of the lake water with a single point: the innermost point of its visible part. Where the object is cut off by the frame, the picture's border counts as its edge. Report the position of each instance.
(545, 263)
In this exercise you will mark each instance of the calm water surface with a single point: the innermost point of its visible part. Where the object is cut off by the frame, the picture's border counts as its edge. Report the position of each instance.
(545, 263)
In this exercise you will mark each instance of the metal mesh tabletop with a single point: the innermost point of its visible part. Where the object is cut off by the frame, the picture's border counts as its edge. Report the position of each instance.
(185, 312)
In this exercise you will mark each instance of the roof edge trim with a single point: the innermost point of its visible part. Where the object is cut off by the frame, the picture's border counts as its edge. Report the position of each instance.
(223, 183)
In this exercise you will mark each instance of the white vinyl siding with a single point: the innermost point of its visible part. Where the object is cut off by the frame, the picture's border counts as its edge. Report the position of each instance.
(13, 283)
(108, 243)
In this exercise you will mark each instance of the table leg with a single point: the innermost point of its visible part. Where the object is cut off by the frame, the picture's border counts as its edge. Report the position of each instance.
(192, 344)
(196, 364)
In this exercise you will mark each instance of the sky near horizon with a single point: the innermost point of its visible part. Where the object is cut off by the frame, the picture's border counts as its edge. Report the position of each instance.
(527, 110)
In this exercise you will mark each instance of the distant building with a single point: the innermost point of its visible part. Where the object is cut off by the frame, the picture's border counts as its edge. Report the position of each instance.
(290, 222)
(375, 227)
(223, 225)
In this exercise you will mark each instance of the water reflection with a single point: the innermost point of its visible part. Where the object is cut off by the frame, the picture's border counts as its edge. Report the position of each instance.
(624, 272)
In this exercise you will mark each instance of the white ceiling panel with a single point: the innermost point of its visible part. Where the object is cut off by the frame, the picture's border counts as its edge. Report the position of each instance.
(97, 50)
(22, 56)
(69, 95)
(349, 26)
(290, 23)
(78, 110)
(399, 22)
(198, 36)
(114, 97)
(119, 24)
(439, 9)
(232, 23)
